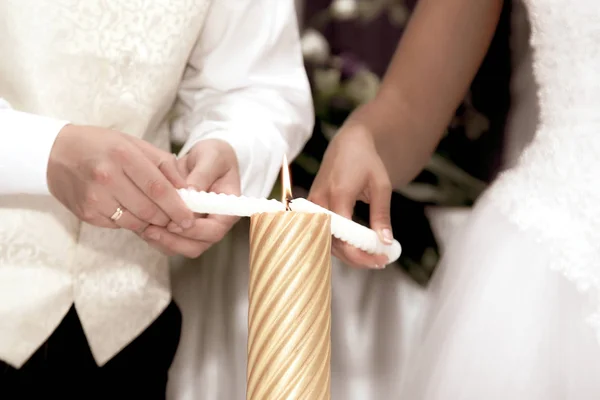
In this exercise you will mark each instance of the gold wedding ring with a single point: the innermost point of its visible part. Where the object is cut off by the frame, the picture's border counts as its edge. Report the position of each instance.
(118, 214)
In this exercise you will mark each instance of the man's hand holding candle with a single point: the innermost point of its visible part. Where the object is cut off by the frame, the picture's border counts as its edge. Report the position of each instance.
(113, 180)
(211, 165)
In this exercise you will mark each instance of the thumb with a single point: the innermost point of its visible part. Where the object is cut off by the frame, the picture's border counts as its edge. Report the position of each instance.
(379, 207)
(343, 199)
(204, 171)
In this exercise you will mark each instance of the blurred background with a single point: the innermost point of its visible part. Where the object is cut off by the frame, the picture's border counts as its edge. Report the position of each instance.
(347, 45)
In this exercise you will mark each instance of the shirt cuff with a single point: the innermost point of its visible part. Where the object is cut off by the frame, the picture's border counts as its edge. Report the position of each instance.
(259, 160)
(28, 141)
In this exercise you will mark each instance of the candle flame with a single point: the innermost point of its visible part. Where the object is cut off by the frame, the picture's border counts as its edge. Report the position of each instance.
(286, 184)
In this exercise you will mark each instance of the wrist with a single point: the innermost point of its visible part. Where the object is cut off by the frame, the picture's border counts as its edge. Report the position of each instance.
(57, 151)
(397, 136)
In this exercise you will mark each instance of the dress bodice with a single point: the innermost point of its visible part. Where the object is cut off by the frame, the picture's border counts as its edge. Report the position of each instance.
(553, 189)
(566, 39)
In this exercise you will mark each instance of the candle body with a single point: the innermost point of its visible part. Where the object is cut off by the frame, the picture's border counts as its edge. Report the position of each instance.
(289, 318)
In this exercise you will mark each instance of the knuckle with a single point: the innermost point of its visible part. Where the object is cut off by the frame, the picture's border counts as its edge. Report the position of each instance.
(160, 219)
(381, 214)
(169, 161)
(156, 189)
(90, 200)
(148, 212)
(120, 153)
(168, 252)
(101, 174)
(181, 164)
(340, 191)
(87, 215)
(200, 180)
(317, 194)
(319, 199)
(89, 207)
(383, 185)
(217, 236)
(194, 253)
(143, 232)
(136, 226)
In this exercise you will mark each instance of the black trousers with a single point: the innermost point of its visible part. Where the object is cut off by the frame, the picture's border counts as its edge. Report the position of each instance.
(63, 367)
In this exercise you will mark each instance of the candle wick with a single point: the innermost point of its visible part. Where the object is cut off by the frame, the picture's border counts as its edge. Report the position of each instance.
(287, 204)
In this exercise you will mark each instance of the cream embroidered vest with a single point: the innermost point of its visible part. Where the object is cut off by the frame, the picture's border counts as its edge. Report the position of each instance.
(109, 63)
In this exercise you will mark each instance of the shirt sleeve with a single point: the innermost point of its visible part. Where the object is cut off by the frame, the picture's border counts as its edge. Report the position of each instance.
(27, 140)
(246, 84)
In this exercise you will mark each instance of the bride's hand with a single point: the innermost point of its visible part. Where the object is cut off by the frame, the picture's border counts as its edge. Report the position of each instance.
(352, 170)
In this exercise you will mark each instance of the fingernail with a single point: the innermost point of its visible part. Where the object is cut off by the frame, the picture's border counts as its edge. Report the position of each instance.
(379, 266)
(187, 224)
(153, 236)
(386, 236)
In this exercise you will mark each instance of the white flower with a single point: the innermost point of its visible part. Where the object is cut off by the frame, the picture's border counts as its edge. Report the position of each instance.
(398, 14)
(363, 86)
(315, 47)
(344, 9)
(327, 81)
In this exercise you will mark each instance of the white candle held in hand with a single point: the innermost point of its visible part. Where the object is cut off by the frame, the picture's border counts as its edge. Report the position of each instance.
(341, 228)
(225, 204)
(351, 232)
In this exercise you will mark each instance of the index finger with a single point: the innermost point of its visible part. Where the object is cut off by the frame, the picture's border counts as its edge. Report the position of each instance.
(356, 257)
(167, 163)
(146, 176)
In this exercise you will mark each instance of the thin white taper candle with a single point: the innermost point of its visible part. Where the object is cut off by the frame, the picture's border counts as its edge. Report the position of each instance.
(225, 204)
(351, 232)
(341, 228)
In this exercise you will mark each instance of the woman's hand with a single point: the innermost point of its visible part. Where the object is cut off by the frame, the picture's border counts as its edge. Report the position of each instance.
(352, 170)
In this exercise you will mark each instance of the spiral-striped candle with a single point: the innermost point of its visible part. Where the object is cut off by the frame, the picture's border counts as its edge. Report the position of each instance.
(289, 318)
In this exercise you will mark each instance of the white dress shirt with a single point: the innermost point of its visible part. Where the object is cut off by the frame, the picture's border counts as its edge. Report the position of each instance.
(184, 70)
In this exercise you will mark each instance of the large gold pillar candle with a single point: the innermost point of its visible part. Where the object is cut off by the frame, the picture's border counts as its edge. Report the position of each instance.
(289, 340)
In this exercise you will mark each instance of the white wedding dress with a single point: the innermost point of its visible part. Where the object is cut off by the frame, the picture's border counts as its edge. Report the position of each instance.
(513, 308)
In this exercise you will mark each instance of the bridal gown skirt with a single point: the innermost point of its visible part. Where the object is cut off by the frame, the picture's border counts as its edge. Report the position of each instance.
(501, 324)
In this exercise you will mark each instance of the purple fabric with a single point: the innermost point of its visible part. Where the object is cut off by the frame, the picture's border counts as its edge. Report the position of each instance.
(374, 43)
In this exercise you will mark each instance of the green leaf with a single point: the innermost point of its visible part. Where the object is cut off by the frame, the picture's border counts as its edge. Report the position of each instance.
(276, 192)
(310, 164)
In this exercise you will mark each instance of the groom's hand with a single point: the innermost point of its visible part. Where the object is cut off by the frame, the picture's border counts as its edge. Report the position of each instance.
(211, 165)
(96, 171)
